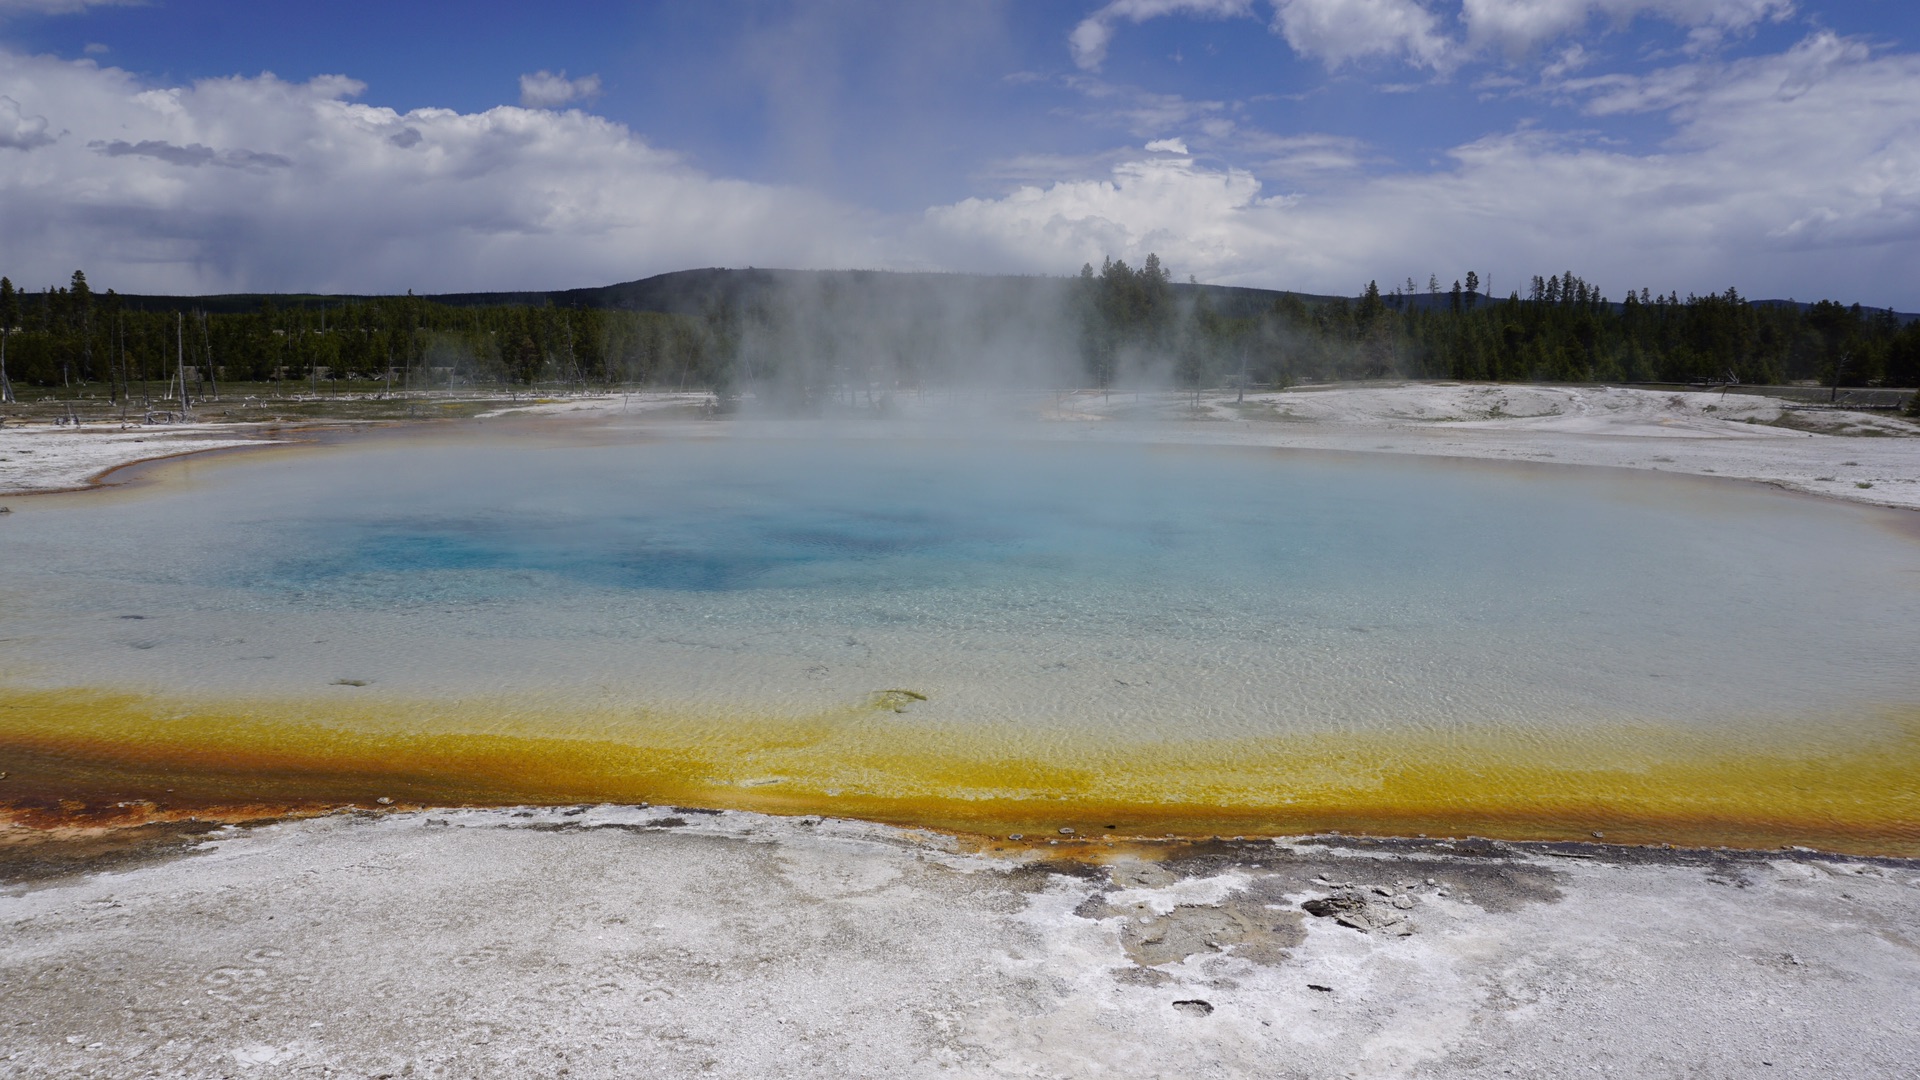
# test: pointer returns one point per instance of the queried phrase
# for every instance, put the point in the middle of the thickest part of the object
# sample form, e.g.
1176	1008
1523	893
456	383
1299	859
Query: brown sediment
29	854
78	756
141	472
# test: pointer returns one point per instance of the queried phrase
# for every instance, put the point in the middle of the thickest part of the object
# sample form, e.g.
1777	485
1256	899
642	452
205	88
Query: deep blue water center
736	515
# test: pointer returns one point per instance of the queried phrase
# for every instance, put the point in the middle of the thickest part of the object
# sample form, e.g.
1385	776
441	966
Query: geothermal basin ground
609	940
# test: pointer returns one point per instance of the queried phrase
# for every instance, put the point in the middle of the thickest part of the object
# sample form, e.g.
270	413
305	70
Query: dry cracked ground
637	942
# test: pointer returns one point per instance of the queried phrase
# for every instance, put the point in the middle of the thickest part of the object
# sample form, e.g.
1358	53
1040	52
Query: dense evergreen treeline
812	336
1565	329
72	335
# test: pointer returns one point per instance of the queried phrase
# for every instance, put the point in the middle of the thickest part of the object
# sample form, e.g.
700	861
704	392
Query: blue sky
1685	145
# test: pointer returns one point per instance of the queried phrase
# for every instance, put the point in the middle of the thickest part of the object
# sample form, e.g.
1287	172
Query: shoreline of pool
1872	469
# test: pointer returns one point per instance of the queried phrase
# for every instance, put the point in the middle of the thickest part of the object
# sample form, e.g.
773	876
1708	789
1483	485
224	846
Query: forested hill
701	292
704	292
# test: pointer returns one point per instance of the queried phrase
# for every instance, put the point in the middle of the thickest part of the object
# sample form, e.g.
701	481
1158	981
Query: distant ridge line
699	291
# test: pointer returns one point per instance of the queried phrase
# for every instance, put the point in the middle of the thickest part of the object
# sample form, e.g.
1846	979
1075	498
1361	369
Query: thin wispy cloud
59	7
547	90
1516	27
1094	33
1440	37
192	155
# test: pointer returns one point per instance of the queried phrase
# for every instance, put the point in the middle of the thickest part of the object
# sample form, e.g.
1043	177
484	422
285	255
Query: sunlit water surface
1160	636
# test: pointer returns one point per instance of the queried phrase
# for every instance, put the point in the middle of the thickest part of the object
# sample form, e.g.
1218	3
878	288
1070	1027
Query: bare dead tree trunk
180	361
120	363
6	387
206	339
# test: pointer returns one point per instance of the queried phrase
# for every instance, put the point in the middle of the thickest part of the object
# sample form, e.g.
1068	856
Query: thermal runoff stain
85	754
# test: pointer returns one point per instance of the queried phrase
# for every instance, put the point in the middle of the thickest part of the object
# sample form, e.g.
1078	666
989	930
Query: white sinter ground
48	457
630	942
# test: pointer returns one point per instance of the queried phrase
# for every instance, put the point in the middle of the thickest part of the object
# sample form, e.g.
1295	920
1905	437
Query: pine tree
82	297
1371	306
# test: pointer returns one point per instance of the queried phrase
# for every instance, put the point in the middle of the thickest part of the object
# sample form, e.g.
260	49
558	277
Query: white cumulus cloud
19	131
1791	174
258	183
1795	173
1338	31
547	90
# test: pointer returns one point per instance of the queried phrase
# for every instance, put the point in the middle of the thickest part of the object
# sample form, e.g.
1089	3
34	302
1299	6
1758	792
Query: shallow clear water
1085	596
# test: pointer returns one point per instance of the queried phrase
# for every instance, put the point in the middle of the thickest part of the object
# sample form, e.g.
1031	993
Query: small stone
384	801
1195	1007
1322	989
1599	835
1016	836
1066	830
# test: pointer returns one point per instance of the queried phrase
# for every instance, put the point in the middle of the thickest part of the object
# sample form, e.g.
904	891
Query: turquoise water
1097	589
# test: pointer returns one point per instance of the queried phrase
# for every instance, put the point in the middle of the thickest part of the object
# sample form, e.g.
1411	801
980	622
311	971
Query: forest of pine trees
1129	326
71	335
1563	330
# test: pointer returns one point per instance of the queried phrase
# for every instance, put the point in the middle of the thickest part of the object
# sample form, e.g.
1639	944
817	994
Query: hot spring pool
997	634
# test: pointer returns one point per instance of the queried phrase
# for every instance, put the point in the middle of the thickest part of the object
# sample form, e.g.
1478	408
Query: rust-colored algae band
71	753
